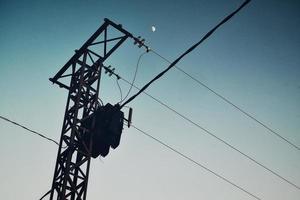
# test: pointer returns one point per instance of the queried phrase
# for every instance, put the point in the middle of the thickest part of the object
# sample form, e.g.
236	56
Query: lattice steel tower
81	77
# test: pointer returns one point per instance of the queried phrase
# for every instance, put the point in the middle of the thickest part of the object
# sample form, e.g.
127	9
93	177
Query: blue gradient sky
253	60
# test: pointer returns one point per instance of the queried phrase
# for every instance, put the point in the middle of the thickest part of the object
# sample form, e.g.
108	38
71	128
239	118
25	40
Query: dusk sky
253	60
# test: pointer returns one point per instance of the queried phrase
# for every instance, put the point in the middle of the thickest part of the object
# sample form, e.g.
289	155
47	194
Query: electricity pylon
81	77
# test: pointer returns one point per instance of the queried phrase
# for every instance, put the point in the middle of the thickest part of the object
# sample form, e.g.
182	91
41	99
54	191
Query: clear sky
253	60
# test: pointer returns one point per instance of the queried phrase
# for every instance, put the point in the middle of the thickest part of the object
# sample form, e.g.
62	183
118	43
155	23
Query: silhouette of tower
81	77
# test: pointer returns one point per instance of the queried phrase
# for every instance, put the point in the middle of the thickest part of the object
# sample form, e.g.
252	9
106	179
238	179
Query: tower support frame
83	72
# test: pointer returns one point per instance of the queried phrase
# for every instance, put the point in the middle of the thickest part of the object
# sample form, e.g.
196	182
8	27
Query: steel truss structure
82	74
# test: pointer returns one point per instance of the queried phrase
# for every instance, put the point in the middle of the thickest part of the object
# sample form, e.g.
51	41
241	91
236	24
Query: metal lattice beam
83	71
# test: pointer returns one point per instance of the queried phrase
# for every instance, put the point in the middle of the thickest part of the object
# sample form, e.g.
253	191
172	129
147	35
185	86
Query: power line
209	33
230	102
134	76
196	163
45	137
164	144
47	193
157	140
120	90
215	136
32	131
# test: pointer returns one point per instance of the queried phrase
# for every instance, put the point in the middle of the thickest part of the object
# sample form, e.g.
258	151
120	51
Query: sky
253	60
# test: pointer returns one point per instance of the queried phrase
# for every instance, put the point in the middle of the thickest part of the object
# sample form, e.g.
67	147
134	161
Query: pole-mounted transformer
103	128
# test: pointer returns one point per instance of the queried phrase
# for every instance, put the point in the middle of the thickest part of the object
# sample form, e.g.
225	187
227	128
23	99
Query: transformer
102	130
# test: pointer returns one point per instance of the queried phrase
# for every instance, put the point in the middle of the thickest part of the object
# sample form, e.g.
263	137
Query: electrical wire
271	130
196	163
230	102
164	144
187	158
215	136
209	33
120	90
134	76
45	137
45	194
32	131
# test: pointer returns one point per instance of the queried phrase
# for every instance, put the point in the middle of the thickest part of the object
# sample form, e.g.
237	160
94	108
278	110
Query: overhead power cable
32	131
120	90
215	136
47	193
271	130
45	137
196	163
134	76
186	52
230	102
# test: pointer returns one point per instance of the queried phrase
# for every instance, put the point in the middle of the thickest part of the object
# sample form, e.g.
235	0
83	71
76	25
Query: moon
153	28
